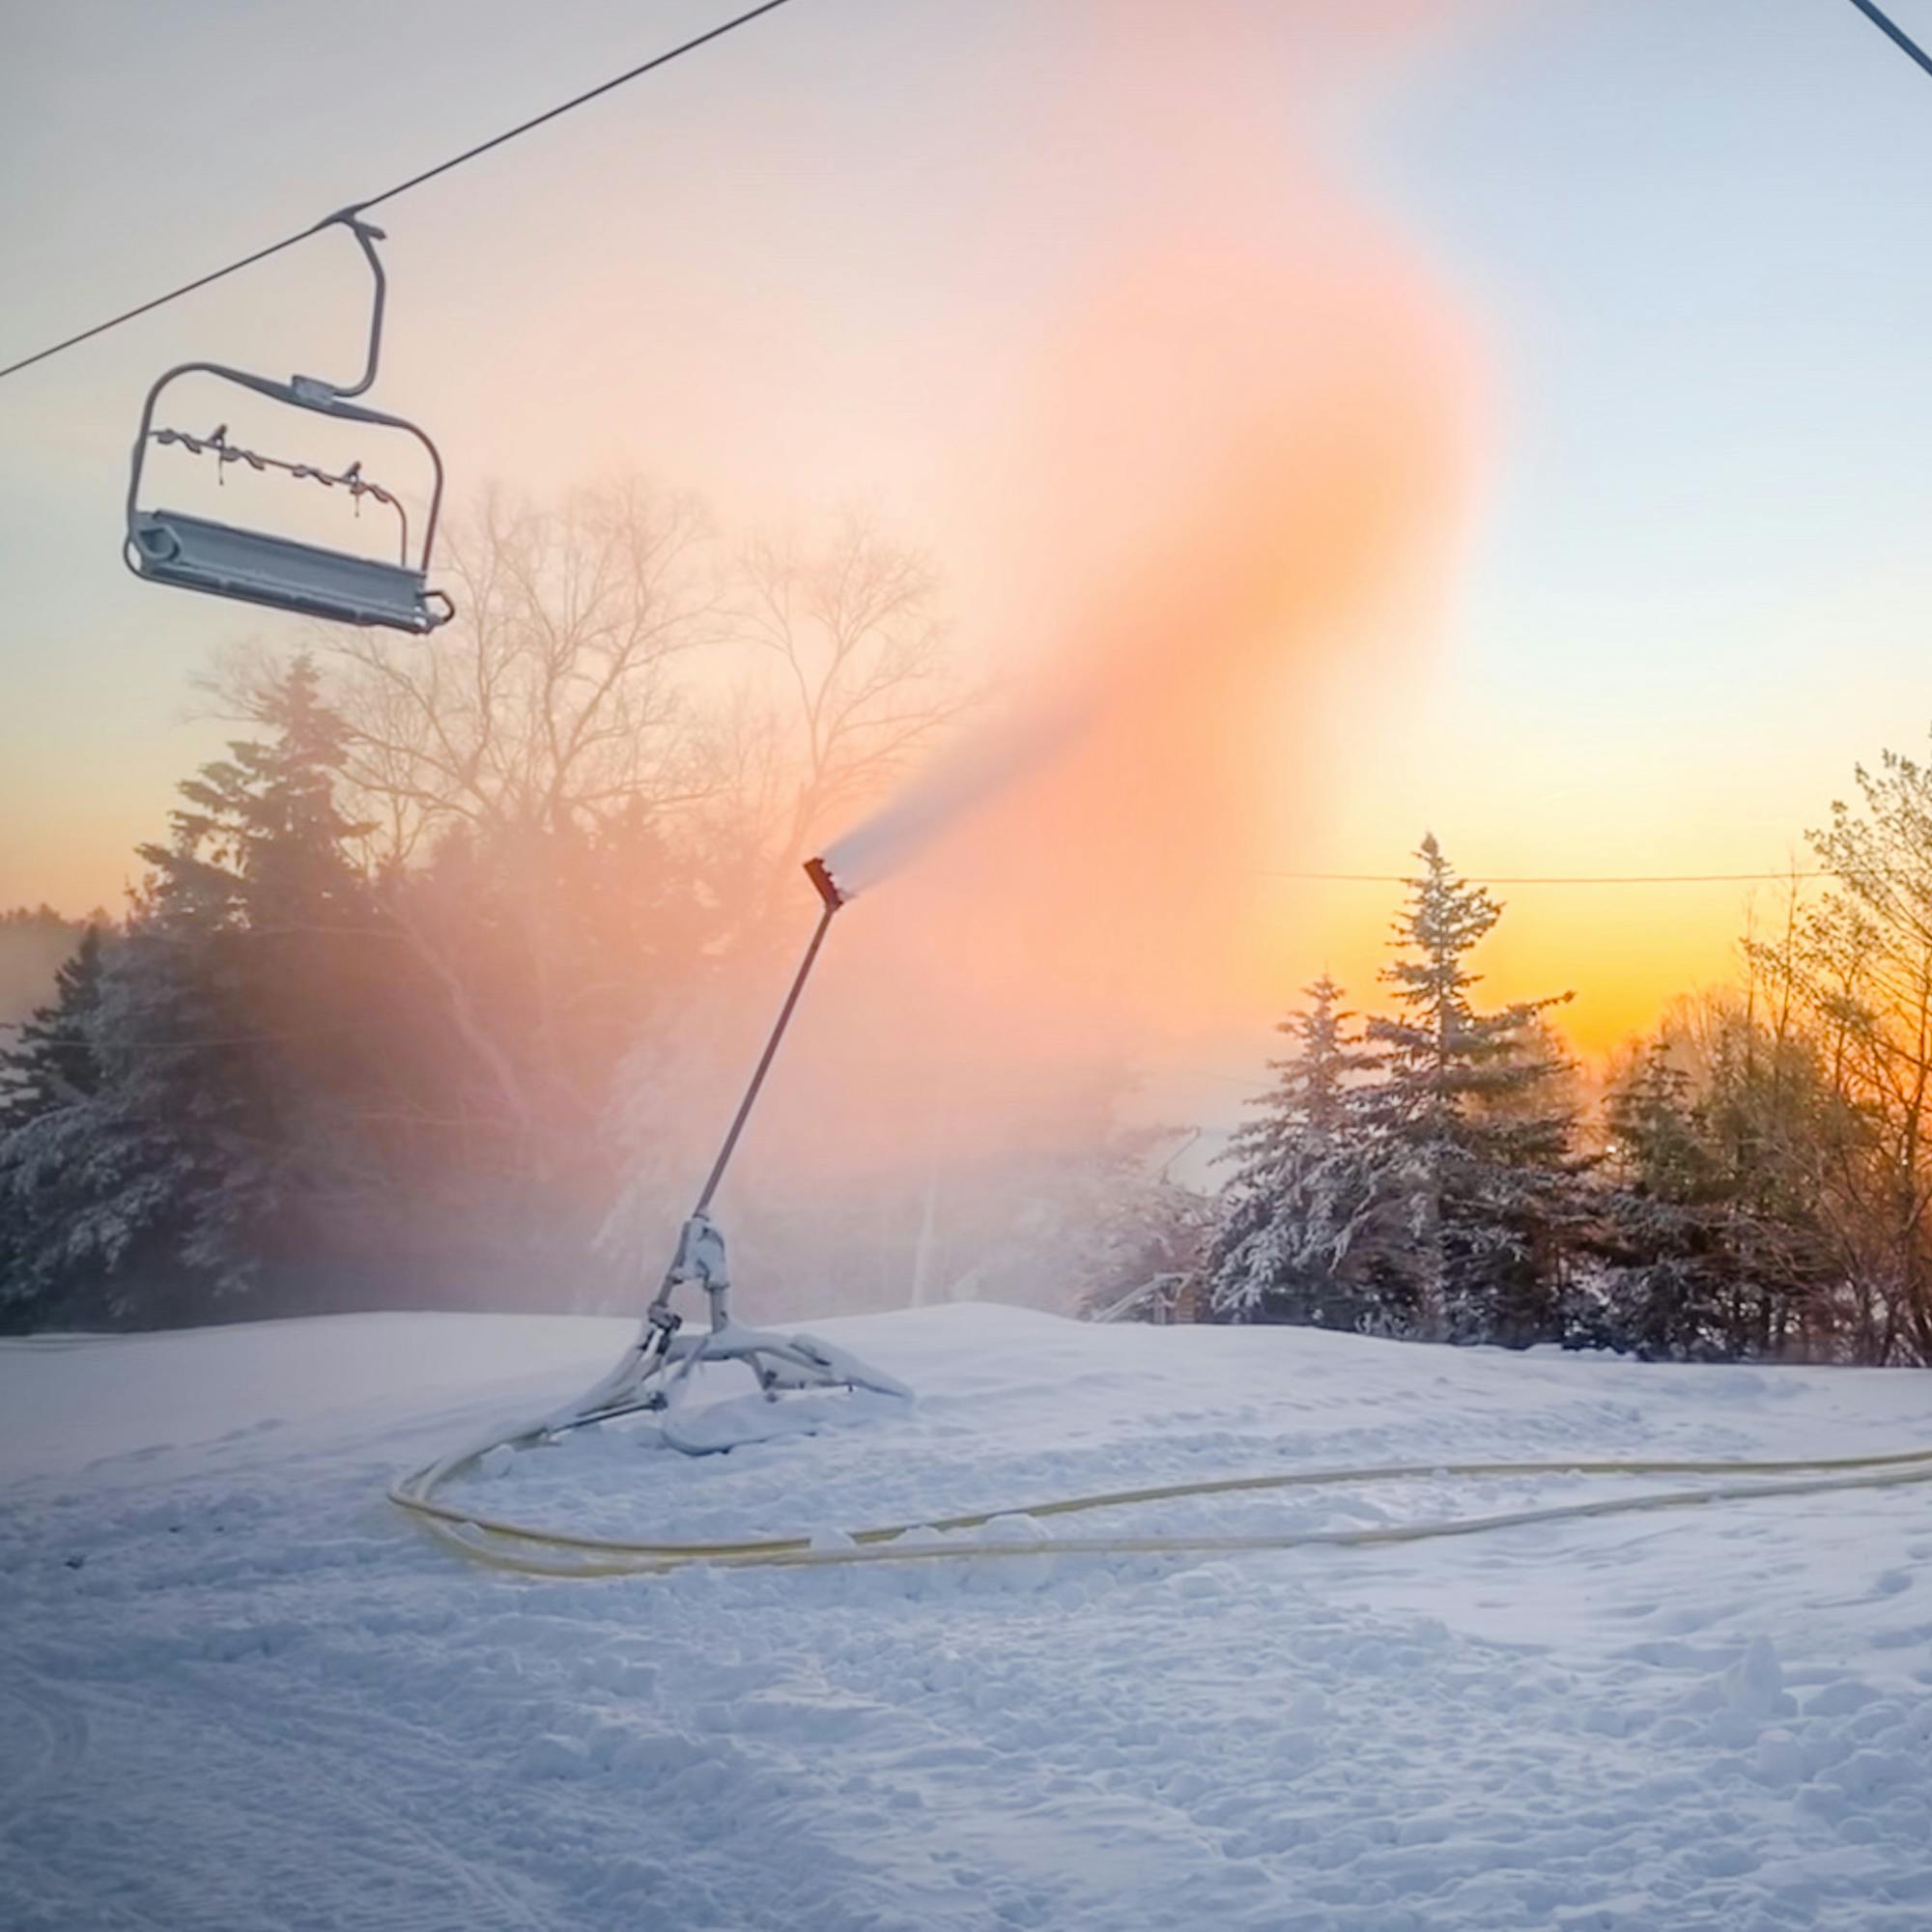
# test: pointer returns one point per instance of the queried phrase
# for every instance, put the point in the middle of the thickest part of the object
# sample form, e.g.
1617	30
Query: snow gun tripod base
656	1371
655	1374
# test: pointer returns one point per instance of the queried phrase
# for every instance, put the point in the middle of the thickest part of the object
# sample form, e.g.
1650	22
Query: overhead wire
401	187
1553	878
1874	13
1894	33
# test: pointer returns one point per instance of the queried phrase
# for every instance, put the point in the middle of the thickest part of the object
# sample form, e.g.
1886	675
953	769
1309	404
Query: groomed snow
237	1690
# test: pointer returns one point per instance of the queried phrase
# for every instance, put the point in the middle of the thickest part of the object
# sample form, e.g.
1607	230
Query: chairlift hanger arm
367	237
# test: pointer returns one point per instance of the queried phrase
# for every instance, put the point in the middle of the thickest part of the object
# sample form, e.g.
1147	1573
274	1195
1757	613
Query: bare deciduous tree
856	681
553	701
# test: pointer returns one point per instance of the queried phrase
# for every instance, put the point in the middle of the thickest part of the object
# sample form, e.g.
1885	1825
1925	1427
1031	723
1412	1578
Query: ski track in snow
239	1692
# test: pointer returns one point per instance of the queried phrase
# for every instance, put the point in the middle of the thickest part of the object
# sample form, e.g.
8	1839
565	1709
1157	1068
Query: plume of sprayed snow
1239	440
966	778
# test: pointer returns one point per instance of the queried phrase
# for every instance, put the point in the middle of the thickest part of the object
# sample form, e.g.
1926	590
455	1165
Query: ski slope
237	1690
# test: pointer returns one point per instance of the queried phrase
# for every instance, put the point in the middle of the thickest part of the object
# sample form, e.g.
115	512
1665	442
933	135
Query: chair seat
197	553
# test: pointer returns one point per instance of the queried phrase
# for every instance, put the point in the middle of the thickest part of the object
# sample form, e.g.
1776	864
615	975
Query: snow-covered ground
237	1690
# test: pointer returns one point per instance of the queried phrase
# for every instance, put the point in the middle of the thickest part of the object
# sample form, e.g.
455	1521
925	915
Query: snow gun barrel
829	892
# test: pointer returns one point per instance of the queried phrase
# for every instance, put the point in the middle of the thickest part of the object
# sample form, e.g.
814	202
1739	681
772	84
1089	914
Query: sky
1683	583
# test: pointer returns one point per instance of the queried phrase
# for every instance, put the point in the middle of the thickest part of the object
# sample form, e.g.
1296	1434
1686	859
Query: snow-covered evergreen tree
53	1066
1304	1193
262	844
1714	1241
52	1063
1472	1125
1140	1255
110	1187
1668	1270
162	1180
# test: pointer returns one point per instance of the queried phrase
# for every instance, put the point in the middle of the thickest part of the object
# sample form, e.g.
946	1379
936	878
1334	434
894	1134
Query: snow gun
656	1372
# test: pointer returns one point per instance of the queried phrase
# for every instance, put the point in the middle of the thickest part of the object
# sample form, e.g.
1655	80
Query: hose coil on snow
532	1551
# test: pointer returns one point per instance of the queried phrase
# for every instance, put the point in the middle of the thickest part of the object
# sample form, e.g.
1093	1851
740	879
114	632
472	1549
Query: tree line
1753	1182
403	1006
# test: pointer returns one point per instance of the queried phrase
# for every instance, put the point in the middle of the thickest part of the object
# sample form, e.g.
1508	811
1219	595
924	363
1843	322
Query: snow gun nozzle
817	871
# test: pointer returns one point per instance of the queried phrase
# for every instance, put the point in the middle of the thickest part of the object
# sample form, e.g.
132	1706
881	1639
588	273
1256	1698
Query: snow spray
1222	486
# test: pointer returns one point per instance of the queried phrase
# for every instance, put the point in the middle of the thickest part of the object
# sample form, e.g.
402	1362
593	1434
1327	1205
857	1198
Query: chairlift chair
194	553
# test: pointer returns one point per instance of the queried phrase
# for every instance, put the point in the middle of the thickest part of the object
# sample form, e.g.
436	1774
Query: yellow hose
563	1553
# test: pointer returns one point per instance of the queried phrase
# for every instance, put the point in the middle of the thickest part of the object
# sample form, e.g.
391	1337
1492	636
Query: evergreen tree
1473	1131
131	1201
1669	1271
168	1178
1712	1236
1779	1138
51	1066
53	1062
262	844
1138	1250
1304	1192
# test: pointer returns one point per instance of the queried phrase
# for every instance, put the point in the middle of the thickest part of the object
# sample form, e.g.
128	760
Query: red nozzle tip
828	886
